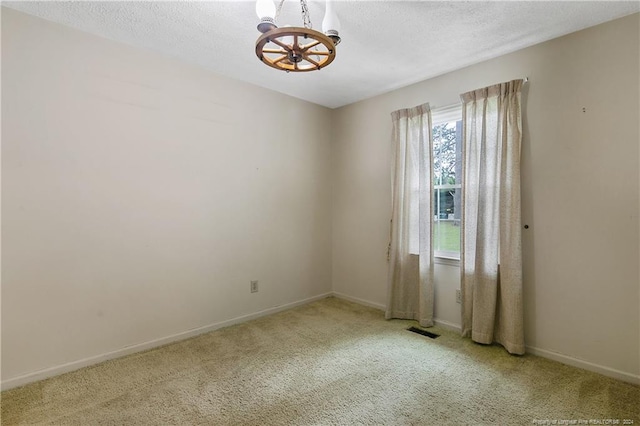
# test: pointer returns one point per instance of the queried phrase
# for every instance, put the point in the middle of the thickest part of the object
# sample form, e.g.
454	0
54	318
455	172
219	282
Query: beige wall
580	193
140	196
137	204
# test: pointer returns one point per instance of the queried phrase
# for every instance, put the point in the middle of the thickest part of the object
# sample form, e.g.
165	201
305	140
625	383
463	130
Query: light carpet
331	362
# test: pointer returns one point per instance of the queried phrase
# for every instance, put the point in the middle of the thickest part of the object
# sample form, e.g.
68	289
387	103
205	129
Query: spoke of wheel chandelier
274	51
317	52
279	59
307	58
281	44
310	45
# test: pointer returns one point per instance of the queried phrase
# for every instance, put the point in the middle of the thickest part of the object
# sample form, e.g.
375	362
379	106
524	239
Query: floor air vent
423	332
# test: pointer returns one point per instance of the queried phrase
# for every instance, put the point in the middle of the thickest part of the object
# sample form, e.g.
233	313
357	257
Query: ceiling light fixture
296	49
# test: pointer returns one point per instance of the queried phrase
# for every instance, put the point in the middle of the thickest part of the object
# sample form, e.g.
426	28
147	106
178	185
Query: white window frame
440	116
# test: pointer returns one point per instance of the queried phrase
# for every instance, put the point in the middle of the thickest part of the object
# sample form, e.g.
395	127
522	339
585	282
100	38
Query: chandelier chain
275	19
305	14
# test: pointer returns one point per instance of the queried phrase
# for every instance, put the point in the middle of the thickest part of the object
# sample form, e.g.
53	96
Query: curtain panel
491	249
410	280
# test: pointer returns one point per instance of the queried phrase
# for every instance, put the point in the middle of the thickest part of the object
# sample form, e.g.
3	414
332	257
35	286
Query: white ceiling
385	44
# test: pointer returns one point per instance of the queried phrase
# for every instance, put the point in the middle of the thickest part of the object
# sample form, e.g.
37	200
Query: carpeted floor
327	363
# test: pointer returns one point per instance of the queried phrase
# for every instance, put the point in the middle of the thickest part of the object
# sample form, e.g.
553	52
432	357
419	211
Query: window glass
447	176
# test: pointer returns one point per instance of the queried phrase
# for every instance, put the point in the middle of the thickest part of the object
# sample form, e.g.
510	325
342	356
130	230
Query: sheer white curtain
491	252
410	287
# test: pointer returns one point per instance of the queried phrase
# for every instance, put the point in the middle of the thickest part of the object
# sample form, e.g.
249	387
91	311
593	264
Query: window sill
444	260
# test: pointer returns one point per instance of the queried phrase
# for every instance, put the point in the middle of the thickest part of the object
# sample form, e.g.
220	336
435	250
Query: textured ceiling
385	44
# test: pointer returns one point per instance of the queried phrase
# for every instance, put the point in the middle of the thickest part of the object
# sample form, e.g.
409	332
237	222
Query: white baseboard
444	324
76	365
585	365
448	325
359	301
555	356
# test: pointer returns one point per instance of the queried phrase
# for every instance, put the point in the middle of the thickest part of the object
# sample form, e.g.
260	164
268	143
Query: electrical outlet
254	286
459	296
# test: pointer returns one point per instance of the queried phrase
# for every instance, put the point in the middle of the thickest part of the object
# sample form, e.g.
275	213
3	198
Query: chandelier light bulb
265	9
331	23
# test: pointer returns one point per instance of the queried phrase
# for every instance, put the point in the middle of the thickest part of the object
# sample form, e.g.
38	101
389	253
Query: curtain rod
525	80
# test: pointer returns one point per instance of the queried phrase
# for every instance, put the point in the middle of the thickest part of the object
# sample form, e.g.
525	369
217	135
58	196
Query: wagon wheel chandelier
297	49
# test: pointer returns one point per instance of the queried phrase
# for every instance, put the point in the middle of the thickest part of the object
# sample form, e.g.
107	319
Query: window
447	179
